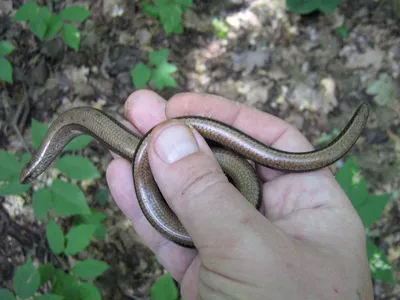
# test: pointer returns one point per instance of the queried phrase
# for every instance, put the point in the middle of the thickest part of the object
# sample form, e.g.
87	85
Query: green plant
159	74
65	200
28	279
164	289
369	208
6	73
46	25
342	31
308	6
169	12
383	90
220	28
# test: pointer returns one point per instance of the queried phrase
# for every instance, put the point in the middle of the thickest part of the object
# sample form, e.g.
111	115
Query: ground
299	68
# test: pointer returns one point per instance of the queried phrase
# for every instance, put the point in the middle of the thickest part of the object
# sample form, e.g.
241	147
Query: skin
309	243
120	139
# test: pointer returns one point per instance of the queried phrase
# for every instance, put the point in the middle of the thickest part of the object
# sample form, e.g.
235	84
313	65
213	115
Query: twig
24	117
23	235
14	124
105	63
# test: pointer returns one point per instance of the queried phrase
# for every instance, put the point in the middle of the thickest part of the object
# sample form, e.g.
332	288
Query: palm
309	212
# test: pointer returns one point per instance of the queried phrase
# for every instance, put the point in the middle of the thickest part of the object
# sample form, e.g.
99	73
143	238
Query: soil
298	68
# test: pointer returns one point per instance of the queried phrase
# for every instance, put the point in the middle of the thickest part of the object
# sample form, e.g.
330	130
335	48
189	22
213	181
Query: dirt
295	67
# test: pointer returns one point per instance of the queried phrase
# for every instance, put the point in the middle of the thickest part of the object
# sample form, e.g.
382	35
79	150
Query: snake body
238	147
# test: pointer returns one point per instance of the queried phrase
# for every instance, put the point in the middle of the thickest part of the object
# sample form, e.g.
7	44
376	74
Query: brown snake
239	147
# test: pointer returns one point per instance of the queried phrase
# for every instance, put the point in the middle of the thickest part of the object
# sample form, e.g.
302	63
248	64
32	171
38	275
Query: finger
264	127
212	211
174	258
144	109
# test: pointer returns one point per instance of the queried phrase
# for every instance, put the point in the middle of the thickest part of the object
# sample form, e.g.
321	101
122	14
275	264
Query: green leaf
79	238
161	2
354	185
68	199
358	192
178	29
95	218
41	202
368	207
150	10
371	209
89	291
26	280
26	11
328	6
220	28
9	165
78	143
13	187
77	167
164	288
54	24
158	57
6	48
184	3
162	76
66	286
307	6
100	233
26	157
378	263
170	17
89	269
71	36
342	31
55	237
140	75
48	297
38	23
6	72
6	295
47	272
38	132
302	6
75	13
102	197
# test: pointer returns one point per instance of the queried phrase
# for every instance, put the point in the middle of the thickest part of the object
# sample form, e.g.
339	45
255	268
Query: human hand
309	243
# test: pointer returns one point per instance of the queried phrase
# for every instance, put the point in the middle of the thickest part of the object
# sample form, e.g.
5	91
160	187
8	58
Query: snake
236	152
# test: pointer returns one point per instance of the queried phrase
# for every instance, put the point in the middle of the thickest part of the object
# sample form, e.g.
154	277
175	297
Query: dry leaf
371	57
383	90
249	60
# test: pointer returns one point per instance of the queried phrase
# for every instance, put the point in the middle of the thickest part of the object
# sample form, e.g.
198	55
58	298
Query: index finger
264	127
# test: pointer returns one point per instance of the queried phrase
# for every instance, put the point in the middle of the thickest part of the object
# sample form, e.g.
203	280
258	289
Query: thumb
210	208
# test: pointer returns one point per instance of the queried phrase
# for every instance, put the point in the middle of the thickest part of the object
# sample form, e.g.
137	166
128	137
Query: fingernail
174	143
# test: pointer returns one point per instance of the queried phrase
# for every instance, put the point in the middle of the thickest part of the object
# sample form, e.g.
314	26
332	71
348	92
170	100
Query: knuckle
201	178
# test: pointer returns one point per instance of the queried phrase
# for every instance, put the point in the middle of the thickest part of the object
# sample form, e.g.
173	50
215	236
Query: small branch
105	63
22	109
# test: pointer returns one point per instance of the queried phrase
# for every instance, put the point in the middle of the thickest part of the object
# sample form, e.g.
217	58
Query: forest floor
299	68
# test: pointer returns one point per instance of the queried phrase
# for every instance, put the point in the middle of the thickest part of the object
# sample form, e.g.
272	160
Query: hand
309	244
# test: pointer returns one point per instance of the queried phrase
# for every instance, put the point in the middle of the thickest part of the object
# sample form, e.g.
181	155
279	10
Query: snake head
29	173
